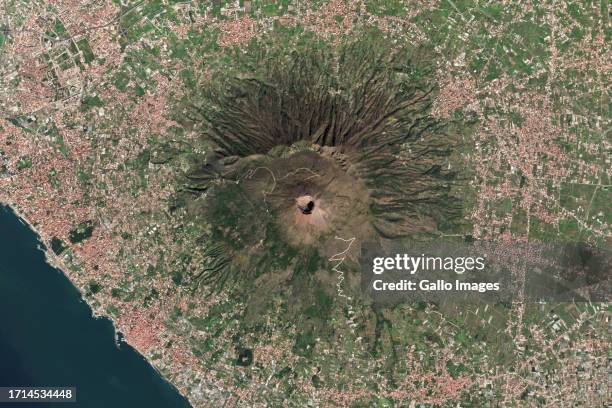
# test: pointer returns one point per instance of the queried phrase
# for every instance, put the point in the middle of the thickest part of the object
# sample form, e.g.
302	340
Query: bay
48	336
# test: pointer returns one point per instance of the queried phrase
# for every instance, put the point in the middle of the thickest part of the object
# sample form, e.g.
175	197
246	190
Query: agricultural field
159	148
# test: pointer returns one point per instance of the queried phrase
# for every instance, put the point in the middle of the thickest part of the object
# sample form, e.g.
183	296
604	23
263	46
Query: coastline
95	309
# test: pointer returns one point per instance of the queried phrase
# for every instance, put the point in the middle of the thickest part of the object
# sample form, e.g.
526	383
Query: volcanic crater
320	142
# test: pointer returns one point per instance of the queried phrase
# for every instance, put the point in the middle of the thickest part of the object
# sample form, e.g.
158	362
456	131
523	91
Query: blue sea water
48	336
